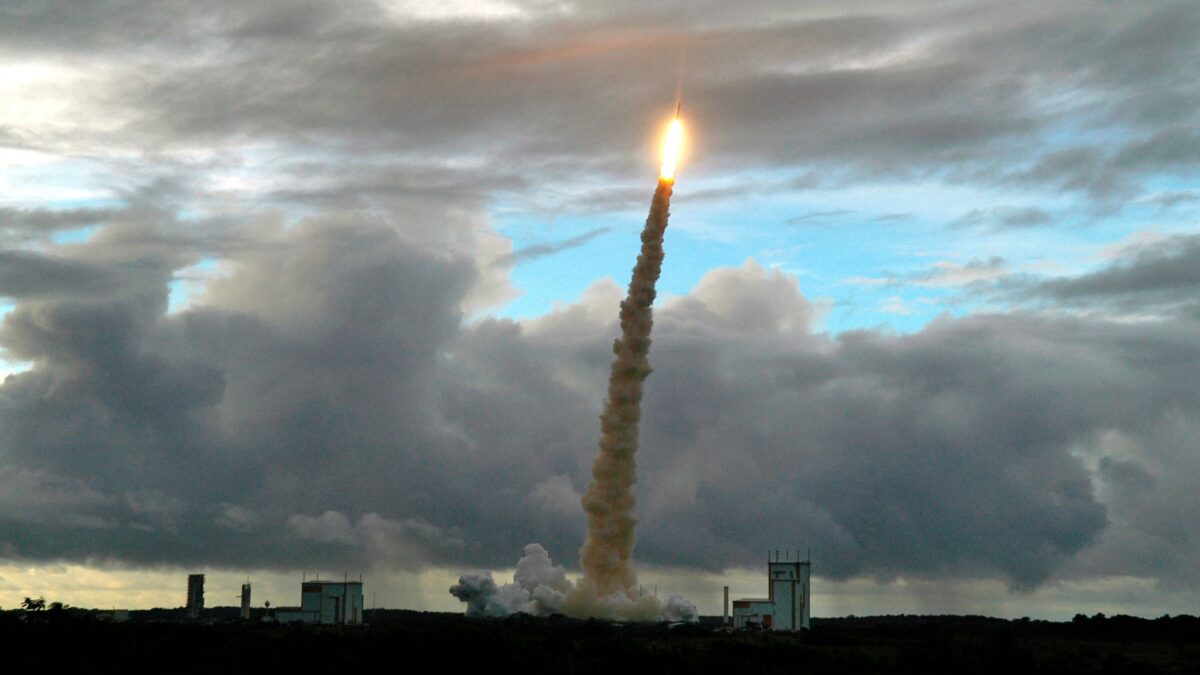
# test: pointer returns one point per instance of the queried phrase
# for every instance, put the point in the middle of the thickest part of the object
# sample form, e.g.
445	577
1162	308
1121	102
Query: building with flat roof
326	602
786	605
245	614
195	596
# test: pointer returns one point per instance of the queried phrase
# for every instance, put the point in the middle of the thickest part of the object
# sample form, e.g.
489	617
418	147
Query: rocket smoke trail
609	501
608	588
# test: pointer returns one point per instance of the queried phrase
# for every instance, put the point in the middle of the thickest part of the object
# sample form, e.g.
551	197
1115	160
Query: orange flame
672	148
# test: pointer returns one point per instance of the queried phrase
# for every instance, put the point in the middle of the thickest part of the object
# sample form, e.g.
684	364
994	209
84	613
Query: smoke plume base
541	588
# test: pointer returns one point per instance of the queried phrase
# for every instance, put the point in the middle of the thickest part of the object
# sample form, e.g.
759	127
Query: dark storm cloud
400	184
24	274
542	250
955	90
1151	50
327	404
1003	217
1177	147
1173	198
884	410
32	26
236	406
1110	177
1155	276
32	224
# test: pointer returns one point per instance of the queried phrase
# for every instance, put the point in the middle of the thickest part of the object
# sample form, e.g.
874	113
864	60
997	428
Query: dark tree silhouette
32	605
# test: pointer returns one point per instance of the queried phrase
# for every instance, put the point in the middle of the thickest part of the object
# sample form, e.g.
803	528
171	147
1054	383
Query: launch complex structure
786	607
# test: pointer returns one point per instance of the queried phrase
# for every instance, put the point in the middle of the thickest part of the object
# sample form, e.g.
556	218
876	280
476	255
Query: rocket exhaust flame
609	500
672	148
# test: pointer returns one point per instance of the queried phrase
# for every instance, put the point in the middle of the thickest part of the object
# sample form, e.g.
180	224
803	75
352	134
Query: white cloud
894	304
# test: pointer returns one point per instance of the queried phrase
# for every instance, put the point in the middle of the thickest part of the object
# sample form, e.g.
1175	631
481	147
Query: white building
326	602
786	606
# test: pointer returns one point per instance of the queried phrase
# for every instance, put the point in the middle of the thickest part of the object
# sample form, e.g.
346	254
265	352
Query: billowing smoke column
609	501
609	587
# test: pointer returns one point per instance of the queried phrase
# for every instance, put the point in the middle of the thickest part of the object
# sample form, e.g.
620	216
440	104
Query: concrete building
326	602
195	596
786	605
246	601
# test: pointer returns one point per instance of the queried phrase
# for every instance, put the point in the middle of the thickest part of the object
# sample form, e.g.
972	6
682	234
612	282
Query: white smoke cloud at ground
541	588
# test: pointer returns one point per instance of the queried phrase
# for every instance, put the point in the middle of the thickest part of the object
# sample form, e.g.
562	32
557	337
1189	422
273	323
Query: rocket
672	146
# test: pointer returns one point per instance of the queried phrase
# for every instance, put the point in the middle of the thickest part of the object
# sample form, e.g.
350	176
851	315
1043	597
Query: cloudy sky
296	286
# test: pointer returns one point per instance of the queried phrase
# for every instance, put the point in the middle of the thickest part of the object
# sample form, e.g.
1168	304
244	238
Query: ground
156	641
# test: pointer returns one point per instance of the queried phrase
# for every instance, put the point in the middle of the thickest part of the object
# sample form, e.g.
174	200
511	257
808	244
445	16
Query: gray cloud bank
1058	97
542	250
326	402
1162	276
